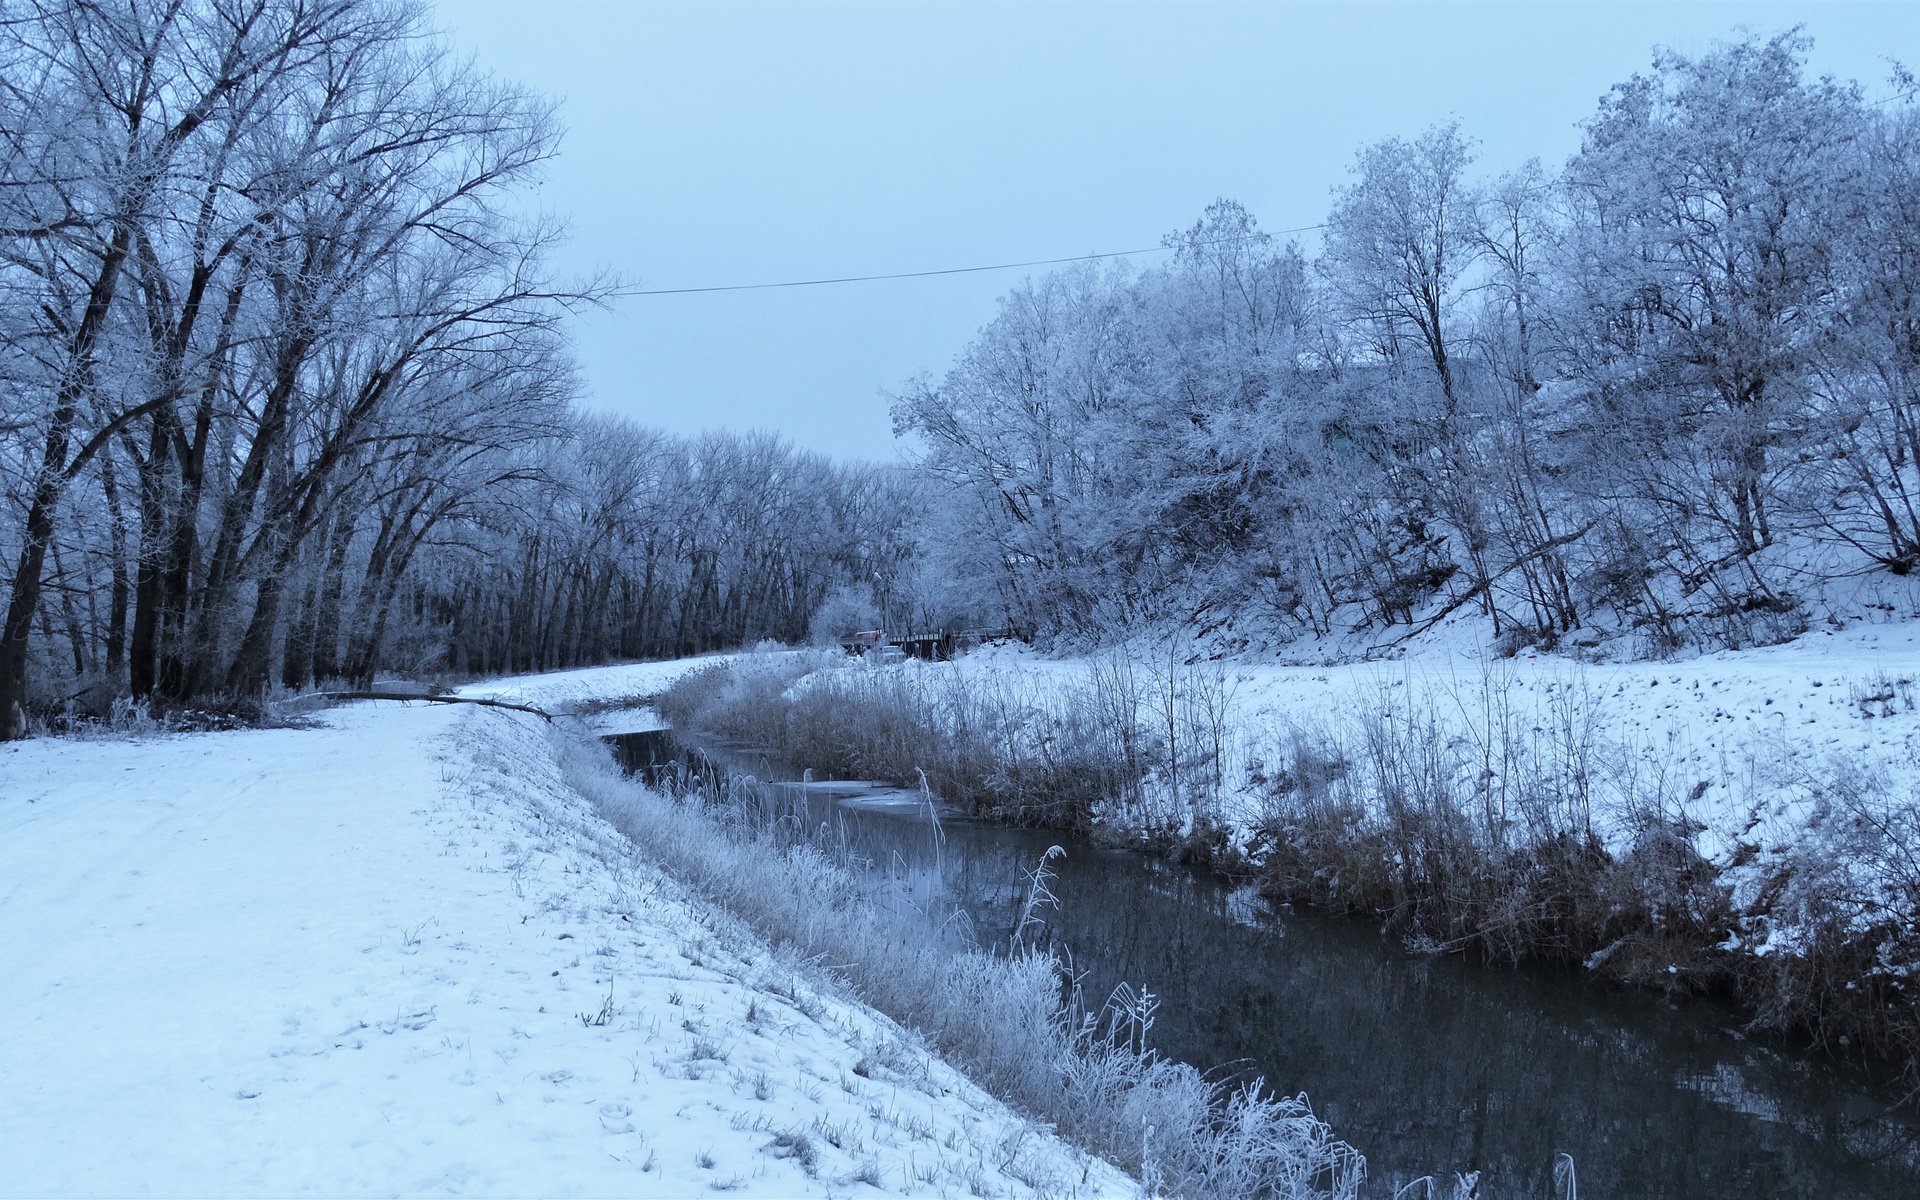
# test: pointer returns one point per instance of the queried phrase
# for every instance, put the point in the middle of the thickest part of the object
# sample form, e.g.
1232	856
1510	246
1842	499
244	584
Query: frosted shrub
1477	827
740	698
1833	922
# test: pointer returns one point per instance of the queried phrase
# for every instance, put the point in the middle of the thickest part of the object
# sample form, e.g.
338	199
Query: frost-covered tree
1533	513
260	291
1399	239
1221	379
1029	434
1706	206
1402	239
114	123
1865	491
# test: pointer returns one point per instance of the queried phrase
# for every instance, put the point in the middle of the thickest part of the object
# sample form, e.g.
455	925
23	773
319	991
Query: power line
1011	266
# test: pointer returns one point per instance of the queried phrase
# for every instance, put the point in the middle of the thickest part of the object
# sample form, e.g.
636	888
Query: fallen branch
432	699
1477	590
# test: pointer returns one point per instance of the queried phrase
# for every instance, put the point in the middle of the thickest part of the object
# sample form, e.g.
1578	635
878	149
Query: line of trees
284	396
283	391
1674	386
641	545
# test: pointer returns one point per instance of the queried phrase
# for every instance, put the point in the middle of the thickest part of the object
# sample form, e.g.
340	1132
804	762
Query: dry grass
1491	840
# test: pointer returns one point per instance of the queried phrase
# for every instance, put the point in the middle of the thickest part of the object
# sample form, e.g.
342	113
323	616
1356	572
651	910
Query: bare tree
1399	239
108	104
1867	373
1705	209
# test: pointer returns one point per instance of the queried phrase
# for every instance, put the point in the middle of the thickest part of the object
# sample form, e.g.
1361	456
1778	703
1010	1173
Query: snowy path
372	958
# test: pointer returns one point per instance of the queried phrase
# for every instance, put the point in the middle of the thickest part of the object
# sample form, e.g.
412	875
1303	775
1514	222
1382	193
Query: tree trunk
116	648
48	483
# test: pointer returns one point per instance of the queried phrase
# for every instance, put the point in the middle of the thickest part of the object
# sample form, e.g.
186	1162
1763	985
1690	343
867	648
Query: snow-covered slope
1744	730
395	954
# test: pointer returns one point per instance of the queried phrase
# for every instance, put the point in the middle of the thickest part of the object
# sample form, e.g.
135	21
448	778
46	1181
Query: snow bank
591	685
398	954
1744	728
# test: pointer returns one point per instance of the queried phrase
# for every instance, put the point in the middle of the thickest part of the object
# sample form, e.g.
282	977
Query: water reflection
1428	1065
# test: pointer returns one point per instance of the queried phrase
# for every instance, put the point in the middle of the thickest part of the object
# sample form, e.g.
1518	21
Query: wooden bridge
935	646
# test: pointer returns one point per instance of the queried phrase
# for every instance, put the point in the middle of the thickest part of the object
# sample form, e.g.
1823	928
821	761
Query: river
1428	1064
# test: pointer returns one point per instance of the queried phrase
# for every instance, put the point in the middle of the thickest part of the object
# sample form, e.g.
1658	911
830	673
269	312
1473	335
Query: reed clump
1541	842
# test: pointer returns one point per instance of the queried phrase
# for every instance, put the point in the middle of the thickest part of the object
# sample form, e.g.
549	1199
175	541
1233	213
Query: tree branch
525	708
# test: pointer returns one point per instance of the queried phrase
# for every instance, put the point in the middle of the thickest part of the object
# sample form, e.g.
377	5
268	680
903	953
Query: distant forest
285	396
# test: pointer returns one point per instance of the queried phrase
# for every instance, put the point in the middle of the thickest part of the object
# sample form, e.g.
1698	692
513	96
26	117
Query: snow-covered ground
1735	735
589	685
396	954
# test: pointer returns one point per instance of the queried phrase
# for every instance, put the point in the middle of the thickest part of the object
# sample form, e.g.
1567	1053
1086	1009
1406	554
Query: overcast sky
719	143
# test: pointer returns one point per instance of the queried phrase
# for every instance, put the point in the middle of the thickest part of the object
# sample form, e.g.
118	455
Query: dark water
1429	1065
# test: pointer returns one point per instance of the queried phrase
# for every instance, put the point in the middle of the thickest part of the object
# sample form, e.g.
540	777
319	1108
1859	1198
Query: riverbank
1736	822
395	952
1430	1065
